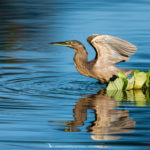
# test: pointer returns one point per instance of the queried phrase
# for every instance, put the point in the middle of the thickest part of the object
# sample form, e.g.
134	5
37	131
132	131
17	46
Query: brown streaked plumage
109	51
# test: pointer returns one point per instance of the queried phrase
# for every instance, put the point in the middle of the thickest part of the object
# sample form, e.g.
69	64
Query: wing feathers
121	46
111	48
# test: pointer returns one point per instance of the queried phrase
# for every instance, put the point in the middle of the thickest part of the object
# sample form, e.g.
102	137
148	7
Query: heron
109	50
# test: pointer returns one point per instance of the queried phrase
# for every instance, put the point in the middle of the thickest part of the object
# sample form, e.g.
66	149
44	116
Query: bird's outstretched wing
111	50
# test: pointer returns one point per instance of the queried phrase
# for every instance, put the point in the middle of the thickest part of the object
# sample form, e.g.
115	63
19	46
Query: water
44	102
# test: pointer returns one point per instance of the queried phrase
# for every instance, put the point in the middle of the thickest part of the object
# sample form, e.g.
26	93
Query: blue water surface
44	102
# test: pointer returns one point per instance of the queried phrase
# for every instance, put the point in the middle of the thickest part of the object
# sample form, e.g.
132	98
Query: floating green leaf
148	79
138	80
130	84
119	83
111	86
121	75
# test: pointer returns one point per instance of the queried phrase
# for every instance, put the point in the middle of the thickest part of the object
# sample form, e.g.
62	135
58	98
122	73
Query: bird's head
72	44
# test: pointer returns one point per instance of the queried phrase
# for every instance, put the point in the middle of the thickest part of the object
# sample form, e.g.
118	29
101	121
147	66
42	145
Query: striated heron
109	51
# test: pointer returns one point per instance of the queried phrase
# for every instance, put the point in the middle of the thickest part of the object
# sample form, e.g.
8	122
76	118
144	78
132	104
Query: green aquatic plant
138	80
148	79
130	83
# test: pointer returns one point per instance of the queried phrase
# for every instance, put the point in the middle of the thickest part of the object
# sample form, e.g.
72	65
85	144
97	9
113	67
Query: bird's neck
80	60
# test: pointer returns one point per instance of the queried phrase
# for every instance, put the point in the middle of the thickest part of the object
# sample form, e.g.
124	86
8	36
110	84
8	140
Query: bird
110	50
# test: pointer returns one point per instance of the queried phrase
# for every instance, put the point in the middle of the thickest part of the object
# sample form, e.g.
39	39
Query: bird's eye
68	42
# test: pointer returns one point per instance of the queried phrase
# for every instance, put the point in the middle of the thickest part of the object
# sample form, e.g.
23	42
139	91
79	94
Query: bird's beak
59	43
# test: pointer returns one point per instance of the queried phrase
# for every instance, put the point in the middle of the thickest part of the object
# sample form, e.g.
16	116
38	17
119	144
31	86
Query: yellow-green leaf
130	84
148	79
140	79
121	75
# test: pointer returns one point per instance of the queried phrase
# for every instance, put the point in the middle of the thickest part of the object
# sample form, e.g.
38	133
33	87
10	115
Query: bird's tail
127	72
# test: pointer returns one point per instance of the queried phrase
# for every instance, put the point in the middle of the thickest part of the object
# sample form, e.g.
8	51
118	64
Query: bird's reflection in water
109	120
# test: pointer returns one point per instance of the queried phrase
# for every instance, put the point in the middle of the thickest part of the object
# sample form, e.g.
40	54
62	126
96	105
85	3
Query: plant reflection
109	120
133	97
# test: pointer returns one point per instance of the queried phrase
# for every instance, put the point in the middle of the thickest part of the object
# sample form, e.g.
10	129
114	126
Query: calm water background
44	102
